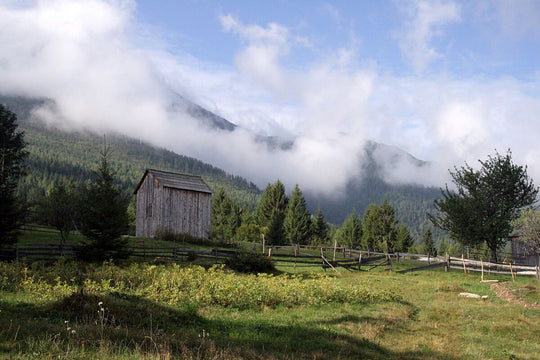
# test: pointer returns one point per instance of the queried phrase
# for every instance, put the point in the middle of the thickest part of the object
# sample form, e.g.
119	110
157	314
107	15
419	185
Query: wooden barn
174	202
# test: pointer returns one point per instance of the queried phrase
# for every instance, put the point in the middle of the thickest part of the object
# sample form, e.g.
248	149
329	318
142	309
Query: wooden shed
174	202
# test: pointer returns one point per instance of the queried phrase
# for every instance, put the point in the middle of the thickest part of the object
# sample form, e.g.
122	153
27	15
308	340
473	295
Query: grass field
68	310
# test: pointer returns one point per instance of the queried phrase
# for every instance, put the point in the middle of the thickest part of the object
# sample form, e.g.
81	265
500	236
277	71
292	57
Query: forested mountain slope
60	156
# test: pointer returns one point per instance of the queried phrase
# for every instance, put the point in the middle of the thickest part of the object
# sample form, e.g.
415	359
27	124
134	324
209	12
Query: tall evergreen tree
271	213
12	155
387	227
297	222
404	239
103	218
319	228
226	217
429	245
370	240
351	230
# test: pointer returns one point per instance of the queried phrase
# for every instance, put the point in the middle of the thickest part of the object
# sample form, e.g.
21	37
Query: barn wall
180	211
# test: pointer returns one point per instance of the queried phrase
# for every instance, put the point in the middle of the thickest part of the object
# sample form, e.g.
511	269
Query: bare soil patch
503	291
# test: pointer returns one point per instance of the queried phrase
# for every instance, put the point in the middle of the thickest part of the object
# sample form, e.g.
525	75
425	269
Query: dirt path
503	292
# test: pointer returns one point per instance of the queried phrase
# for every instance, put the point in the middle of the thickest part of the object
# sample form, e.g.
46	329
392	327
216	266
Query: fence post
463	261
447	267
335	246
538	272
270	252
359	261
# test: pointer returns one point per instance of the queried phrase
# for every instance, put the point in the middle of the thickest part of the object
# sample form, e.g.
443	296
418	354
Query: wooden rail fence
298	256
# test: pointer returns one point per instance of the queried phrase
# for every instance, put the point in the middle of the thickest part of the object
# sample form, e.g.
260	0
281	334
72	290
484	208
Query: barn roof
177	181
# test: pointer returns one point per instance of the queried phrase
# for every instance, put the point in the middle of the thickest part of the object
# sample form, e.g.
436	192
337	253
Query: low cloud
90	58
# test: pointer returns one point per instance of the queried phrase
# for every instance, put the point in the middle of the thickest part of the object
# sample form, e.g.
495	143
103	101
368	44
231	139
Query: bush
250	263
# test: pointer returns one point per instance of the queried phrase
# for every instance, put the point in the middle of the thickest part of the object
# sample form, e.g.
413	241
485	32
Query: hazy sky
447	81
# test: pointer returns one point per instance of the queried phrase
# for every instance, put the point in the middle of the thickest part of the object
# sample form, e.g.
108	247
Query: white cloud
426	20
103	79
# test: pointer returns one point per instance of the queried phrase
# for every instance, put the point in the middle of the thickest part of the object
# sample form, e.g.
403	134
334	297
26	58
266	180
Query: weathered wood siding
180	211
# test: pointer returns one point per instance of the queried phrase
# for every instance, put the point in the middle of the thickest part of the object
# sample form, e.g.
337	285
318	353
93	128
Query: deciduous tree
485	202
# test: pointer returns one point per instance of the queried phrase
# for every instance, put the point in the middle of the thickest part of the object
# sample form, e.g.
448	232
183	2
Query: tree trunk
494	255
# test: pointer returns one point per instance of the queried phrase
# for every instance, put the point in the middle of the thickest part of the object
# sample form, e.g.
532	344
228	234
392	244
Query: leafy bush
250	263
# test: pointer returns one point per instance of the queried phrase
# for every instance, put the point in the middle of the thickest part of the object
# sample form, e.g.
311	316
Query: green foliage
103	217
297	222
429	246
485	203
249	233
380	232
12	155
270	213
319	229
404	239
351	231
226	217
527	226
58	209
250	263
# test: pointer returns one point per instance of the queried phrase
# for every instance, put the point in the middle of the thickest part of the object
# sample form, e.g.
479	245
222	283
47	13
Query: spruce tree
404	239
271	213
297	222
12	155
319	229
103	218
370	240
429	245
351	230
58	209
387	227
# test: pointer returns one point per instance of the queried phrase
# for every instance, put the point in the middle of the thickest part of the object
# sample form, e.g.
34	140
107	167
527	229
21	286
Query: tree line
279	220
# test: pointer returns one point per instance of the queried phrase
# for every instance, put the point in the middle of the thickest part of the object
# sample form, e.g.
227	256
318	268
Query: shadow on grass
145	326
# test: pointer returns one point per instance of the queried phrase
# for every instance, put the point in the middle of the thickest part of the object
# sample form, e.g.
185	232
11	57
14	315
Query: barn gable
175	202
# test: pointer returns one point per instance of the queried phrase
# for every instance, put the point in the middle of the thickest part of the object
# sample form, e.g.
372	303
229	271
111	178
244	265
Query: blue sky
447	81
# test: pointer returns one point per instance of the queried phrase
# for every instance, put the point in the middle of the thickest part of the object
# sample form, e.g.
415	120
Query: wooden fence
297	256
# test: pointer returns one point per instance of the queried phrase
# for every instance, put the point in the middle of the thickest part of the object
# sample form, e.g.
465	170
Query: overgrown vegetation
72	310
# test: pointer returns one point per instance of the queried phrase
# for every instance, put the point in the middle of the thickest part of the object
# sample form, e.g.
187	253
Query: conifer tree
271	213
297	222
103	218
387	227
370	232
404	239
12	155
429	245
351	230
319	229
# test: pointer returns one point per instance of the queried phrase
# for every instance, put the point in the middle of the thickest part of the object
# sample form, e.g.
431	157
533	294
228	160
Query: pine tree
404	239
370	232
103	218
12	155
271	213
319	229
429	245
351	230
297	222
387	227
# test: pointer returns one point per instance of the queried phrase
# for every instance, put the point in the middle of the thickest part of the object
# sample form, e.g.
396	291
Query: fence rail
326	257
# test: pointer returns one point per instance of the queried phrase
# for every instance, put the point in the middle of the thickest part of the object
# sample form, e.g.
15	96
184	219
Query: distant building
174	202
523	253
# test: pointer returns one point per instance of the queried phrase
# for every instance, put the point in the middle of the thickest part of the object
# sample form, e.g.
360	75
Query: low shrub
250	263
